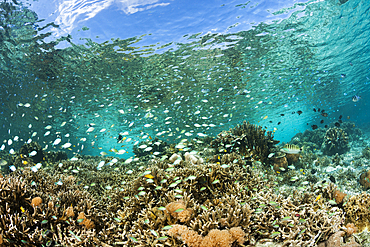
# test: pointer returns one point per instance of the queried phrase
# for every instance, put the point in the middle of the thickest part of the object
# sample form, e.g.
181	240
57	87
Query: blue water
176	70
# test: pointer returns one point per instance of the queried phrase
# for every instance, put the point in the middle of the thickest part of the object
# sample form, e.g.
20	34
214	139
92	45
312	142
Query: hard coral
246	139
357	211
86	222
215	238
339	196
365	179
179	211
36	202
336	240
335	141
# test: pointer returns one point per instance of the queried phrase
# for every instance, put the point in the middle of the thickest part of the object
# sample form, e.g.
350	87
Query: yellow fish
317	198
22	209
149	176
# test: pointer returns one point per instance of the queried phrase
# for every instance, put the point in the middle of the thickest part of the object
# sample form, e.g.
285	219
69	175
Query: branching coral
357	210
335	141
247	140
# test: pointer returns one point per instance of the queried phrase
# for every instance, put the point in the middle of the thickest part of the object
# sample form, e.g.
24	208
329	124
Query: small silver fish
356	98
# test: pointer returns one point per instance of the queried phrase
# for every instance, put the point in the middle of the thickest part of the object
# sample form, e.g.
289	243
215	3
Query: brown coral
336	240
293	158
365	179
215	238
69	212
280	164
351	229
179	211
89	224
36	201
339	196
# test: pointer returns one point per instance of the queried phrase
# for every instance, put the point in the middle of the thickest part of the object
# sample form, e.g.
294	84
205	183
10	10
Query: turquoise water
183	123
308	55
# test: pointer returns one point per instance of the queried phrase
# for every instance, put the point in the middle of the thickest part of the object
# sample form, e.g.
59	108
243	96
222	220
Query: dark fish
282	114
340	121
314	126
119	138
342	75
313	171
325	126
293	112
270	121
350	64
337	124
318	110
279	123
340	117
314	109
299	112
356	98
324	114
332	179
322	121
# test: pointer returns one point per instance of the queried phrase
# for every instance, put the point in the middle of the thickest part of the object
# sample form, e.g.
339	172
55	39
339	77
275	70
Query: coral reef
357	209
365	179
229	197
366	152
247	140
335	141
336	240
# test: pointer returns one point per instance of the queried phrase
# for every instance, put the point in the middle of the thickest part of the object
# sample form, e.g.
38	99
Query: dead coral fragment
215	238
36	202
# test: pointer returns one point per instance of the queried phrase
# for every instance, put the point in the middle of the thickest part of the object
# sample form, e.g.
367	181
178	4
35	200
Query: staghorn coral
357	209
335	141
35	223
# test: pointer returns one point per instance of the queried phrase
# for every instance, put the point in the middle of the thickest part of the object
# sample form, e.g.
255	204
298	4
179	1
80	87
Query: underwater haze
158	123
172	70
176	70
